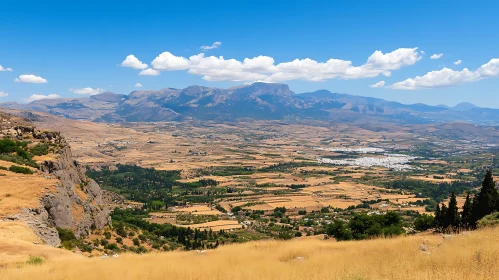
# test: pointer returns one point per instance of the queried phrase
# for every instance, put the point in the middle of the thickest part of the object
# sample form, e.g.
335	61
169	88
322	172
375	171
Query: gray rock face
38	220
77	209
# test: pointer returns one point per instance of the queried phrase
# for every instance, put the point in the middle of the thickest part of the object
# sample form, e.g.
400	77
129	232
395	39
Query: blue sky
75	49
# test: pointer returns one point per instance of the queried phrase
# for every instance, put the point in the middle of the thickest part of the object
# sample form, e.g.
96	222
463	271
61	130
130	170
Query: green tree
486	201
438	216
466	218
339	230
453	212
443	221
424	222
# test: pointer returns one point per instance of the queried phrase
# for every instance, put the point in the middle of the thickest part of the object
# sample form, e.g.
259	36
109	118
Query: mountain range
256	101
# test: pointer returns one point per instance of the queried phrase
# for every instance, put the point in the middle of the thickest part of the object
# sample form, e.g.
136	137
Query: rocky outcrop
77	204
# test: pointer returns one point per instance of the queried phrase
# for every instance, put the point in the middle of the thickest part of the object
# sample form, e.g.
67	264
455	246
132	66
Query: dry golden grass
468	256
19	191
17	243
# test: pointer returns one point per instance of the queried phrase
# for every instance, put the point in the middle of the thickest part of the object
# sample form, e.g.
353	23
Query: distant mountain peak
107	96
463	106
262	88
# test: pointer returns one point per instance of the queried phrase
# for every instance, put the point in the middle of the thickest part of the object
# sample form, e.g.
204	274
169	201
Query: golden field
472	255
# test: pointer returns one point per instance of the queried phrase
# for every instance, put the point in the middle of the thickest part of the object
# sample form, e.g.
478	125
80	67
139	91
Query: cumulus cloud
213	46
3	94
30	78
2	69
138	85
457	62
436	56
35	97
133	62
379	84
263	68
149	72
447	77
86	91
169	62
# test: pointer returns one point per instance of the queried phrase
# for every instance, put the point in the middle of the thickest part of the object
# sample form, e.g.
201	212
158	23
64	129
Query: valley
317	171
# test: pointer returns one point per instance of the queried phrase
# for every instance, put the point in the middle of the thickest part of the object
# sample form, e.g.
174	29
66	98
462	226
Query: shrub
33	260
104	242
20	169
111	246
68	239
489	220
40	149
424	222
107	235
136	241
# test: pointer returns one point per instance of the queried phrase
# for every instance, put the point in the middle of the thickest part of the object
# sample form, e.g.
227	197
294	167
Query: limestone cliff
75	202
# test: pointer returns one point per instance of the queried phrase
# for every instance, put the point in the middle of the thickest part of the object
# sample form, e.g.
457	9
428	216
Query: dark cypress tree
438	216
453	211
486	201
466	219
444	221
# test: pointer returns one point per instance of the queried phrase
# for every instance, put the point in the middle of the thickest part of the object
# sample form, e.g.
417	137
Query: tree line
450	218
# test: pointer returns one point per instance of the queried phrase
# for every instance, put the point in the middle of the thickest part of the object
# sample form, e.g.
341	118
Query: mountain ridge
255	101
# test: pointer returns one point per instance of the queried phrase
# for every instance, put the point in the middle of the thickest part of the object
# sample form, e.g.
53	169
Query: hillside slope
472	255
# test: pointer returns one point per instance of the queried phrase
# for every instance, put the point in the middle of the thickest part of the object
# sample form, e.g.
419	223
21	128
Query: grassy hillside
473	255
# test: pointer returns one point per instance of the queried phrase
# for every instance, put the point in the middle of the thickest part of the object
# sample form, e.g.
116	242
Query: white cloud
3	94
133	62
149	72
422	52
379	84
263	68
138	85
30	78
35	97
447	77
214	46
489	69
87	91
436	56
169	62
5	69
457	62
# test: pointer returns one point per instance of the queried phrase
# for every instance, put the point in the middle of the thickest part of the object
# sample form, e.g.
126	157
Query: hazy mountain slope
256	101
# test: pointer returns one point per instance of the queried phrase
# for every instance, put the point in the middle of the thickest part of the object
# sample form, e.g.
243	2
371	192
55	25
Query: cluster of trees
153	187
226	171
363	226
126	222
436	192
482	204
19	152
286	166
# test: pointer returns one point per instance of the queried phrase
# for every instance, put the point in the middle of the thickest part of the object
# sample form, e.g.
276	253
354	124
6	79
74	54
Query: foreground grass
472	255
